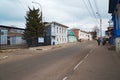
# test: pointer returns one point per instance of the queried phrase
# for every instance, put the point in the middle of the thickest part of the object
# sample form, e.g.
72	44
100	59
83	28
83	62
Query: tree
95	31
34	27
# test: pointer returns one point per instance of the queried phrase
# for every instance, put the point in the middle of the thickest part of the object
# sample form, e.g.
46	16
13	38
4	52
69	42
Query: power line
92	10
22	5
95	3
87	8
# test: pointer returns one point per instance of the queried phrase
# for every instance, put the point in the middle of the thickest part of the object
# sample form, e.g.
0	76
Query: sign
41	40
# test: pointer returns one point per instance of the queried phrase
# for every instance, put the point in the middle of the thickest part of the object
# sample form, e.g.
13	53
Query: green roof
70	33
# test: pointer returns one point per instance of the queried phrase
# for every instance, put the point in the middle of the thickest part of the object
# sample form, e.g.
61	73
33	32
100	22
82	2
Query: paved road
53	65
101	64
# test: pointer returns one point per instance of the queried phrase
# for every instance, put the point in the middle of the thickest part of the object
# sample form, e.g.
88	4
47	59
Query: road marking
86	56
78	65
65	78
91	51
83	59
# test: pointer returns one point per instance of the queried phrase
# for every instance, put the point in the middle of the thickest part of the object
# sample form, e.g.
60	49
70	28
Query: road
52	65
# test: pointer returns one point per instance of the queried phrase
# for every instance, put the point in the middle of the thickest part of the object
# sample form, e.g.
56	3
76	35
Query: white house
11	35
82	35
55	33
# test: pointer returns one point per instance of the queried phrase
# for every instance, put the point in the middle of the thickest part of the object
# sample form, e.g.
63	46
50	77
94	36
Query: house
109	35
76	32
114	10
85	36
82	35
71	36
55	33
11	35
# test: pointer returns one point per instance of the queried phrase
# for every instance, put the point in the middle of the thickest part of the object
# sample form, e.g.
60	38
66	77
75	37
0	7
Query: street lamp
39	5
100	24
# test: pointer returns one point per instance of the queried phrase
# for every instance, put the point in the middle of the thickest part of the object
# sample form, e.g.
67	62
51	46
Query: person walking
103	41
98	40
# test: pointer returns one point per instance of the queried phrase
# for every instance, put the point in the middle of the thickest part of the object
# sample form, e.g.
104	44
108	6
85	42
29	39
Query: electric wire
87	8
95	3
92	10
22	5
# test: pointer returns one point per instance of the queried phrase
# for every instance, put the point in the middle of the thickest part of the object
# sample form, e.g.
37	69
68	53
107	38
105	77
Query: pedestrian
103	41
98	40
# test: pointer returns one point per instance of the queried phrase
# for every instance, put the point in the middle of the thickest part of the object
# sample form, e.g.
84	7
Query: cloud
14	23
71	13
13	11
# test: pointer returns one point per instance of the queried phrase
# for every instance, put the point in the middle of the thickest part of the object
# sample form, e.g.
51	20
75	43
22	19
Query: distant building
71	36
109	35
76	32
55	33
82	35
11	35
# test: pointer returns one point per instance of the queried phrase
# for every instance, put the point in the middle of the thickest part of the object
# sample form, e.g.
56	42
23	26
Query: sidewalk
100	64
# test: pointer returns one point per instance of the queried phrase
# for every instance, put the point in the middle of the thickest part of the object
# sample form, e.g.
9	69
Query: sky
72	13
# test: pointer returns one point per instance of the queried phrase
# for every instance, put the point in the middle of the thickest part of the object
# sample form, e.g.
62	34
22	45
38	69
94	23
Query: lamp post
100	24
39	5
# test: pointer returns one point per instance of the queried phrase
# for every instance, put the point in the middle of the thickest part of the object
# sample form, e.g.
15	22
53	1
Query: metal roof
11	27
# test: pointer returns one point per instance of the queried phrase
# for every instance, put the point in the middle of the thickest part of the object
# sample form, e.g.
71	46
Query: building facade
109	35
11	35
71	36
82	35
114	9
55	33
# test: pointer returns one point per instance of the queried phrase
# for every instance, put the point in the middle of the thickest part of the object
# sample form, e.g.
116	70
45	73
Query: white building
11	35
55	33
82	35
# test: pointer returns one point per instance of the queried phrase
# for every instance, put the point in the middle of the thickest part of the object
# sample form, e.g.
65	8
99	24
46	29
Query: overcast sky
72	13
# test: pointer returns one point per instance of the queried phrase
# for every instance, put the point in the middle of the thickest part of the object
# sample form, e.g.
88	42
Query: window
64	31
119	22
57	39
60	30
57	29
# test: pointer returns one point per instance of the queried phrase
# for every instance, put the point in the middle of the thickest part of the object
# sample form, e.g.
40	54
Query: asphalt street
53	65
100	64
82	61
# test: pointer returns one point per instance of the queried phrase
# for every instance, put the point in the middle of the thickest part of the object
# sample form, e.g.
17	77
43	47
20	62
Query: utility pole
100	27
100	24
